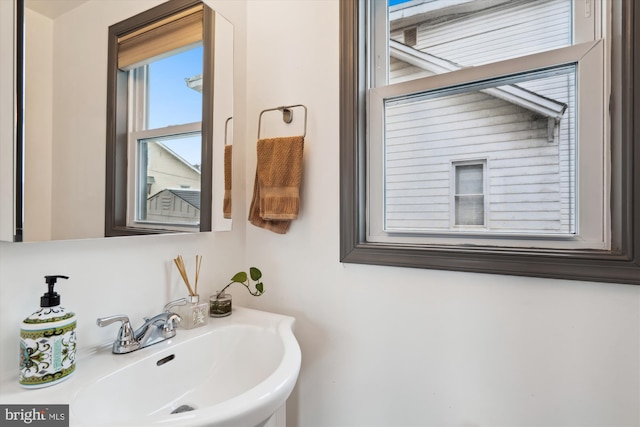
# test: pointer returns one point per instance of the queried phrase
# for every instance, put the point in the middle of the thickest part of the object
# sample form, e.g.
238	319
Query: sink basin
236	371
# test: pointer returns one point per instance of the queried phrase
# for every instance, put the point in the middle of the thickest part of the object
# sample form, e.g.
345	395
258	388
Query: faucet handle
125	341
170	325
104	321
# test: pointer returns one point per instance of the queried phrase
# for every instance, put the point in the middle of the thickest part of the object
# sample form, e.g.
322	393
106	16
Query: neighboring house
500	159
175	205
170	176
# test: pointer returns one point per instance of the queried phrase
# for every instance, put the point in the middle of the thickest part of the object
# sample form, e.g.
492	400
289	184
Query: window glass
454	35
168	184
526	130
167	94
175	89
469	179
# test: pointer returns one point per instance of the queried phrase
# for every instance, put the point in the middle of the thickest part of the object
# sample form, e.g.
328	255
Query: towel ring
287	116
226	126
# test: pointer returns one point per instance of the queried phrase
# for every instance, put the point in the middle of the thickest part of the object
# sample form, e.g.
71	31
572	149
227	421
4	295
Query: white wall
389	346
38	165
381	346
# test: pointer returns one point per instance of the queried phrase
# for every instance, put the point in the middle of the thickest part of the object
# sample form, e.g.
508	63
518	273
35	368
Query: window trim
116	193
621	264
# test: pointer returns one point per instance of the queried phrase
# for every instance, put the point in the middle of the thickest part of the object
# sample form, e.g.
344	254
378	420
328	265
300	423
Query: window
159	163
468	195
523	87
489	81
528	136
159	172
165	140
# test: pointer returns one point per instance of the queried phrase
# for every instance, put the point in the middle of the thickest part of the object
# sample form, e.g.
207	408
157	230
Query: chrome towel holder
226	129
287	116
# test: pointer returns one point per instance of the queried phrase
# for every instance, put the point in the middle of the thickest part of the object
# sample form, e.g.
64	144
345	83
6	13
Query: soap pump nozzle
51	298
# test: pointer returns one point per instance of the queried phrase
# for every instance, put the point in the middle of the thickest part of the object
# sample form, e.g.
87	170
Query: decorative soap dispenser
48	342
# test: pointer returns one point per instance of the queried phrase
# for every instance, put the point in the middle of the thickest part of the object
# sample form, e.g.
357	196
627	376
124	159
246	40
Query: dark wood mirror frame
18	234
116	170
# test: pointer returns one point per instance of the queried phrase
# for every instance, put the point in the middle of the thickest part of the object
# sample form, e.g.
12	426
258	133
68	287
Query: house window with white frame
520	83
468	198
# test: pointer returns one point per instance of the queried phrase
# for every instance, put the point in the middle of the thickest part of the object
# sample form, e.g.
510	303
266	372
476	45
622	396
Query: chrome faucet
159	328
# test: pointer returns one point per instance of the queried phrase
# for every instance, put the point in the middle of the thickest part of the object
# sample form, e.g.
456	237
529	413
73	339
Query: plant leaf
240	277
255	273
260	287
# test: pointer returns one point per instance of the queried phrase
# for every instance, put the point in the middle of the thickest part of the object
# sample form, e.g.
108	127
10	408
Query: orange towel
276	198
279	170
280	227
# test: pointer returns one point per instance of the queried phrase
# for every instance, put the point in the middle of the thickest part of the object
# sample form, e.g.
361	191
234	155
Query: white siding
401	71
507	31
562	89
418	162
530	180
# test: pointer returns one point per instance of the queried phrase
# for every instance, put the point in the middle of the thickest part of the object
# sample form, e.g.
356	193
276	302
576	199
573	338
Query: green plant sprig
242	278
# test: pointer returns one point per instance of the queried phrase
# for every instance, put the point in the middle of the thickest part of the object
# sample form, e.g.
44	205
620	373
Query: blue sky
171	102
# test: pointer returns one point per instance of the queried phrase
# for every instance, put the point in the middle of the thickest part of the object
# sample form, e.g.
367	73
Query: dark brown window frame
620	265
116	159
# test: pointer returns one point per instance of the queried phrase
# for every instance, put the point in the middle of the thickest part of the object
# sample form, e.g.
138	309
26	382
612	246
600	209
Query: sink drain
183	408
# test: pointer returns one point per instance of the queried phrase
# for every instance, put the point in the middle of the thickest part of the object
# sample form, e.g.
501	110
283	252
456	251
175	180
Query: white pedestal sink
236	371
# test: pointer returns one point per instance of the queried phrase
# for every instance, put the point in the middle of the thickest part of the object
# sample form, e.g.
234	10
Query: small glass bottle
192	311
220	304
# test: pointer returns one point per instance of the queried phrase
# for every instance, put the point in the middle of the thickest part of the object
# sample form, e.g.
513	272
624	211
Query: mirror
65	117
8	130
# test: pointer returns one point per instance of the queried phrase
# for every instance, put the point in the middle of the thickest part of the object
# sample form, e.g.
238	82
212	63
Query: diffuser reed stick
198	264
185	277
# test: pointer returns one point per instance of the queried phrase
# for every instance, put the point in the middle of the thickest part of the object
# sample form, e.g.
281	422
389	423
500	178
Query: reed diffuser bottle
194	312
